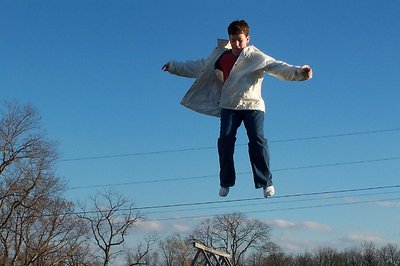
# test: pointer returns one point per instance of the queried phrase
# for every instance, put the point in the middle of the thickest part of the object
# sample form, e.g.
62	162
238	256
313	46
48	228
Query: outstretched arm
189	69
286	71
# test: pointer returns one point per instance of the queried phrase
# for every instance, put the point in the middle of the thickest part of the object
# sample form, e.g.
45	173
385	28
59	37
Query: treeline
176	250
366	254
40	227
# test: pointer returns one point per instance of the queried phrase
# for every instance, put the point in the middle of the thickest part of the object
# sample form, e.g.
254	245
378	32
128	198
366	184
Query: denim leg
258	148
230	122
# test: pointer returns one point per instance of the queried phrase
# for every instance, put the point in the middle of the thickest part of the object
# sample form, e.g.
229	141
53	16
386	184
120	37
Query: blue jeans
258	148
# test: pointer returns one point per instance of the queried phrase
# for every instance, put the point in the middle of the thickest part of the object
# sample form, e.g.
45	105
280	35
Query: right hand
165	67
308	71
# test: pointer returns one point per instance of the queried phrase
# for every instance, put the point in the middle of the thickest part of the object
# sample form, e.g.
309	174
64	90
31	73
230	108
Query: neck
235	53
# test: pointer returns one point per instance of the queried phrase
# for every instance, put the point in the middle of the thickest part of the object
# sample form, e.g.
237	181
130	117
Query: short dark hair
238	27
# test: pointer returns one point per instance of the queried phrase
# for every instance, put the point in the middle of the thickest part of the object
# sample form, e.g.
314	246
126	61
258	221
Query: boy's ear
248	38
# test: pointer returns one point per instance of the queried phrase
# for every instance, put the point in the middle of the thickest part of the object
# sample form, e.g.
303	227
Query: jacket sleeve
189	69
284	71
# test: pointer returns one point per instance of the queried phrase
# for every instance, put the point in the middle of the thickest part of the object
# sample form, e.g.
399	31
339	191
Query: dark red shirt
225	63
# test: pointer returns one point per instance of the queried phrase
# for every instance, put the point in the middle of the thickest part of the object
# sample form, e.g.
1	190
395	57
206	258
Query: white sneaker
223	191
269	191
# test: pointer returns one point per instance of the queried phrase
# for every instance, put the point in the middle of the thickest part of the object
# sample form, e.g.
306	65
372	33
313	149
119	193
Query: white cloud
388	203
182	228
316	226
310	225
163	227
291	244
281	224
358	237
150	226
299	236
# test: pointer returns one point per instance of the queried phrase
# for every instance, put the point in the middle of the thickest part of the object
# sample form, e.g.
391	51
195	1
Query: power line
338	135
240	173
282	209
339	163
213	147
275	197
219	202
209	204
275	202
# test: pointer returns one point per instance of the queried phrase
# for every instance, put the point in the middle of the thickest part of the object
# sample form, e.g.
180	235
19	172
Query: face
238	42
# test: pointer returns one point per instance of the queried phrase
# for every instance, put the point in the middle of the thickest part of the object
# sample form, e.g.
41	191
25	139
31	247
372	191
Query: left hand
165	67
307	71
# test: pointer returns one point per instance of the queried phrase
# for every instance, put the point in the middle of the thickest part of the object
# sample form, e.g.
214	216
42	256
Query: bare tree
305	259
36	227
109	220
26	157
233	233
274	255
177	250
143	254
278	259
352	257
81	255
49	236
389	255
369	253
326	256
169	251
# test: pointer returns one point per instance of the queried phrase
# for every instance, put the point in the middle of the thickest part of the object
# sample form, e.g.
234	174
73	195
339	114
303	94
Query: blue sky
93	70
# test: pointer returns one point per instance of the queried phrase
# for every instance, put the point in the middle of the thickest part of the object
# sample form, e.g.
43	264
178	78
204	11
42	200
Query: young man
228	85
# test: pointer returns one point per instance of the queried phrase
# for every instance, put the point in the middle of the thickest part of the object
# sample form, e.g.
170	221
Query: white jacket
242	89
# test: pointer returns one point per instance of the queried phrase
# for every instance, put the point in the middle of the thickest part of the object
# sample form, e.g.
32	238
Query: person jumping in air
228	85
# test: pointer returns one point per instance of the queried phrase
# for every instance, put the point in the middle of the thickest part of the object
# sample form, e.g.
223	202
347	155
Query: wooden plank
211	250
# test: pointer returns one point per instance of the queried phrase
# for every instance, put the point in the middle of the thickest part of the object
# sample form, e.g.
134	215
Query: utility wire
339	163
280	209
240	173
219	202
275	197
274	202
213	147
